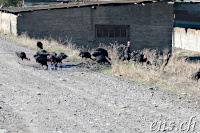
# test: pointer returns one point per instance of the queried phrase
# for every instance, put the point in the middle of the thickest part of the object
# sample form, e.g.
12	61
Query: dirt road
33	100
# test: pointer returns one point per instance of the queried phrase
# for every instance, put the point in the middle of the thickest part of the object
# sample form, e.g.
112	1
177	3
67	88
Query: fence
186	39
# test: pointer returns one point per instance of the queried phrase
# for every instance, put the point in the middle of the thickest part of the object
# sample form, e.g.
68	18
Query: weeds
50	45
175	76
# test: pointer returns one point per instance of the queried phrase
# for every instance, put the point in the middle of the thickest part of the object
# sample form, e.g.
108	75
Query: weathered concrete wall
8	23
59	24
190	8
187	15
150	25
189	40
147	28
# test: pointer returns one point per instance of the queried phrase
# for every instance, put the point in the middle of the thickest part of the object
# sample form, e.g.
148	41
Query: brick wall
150	25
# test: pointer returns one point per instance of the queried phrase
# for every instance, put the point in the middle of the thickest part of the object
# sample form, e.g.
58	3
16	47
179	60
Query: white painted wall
8	23
189	40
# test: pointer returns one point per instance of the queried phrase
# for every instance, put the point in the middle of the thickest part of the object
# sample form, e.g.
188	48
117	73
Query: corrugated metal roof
68	5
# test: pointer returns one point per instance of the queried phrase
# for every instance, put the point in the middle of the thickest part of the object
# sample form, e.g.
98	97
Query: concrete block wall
150	24
8	23
58	24
153	25
189	40
191	8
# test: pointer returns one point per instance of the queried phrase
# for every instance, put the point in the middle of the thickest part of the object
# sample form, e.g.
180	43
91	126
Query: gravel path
33	100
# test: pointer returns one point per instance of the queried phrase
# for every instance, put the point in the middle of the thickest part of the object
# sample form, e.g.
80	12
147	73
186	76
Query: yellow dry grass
176	76
49	44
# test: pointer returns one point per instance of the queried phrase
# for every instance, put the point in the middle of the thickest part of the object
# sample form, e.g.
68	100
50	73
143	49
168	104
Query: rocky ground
78	100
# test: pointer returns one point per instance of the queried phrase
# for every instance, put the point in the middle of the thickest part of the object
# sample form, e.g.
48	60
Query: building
187	26
187	15
145	24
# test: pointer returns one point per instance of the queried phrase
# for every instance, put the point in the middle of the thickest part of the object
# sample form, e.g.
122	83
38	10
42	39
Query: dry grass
50	45
180	52
176	76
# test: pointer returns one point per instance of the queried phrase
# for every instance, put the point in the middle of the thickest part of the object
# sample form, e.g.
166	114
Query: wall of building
59	24
187	15
150	24
8	23
190	8
189	40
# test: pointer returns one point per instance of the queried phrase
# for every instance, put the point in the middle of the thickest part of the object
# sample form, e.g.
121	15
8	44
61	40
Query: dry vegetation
176	76
50	45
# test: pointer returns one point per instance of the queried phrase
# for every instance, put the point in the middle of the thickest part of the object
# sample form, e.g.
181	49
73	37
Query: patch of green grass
105	70
128	65
74	59
58	50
